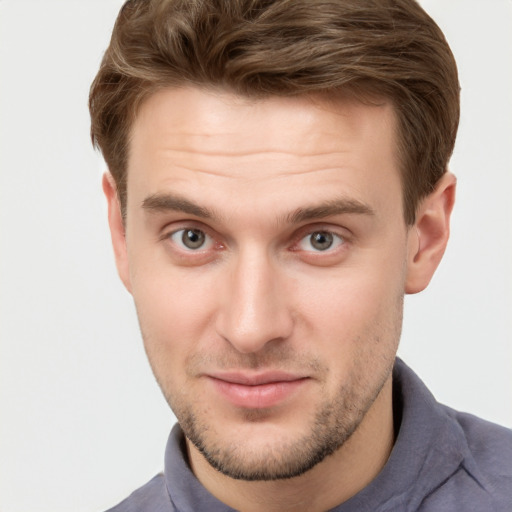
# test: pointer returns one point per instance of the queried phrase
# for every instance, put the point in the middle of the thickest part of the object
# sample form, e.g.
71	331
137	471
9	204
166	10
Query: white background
82	421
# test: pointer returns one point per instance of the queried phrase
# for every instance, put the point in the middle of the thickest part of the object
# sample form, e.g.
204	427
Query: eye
191	239
320	241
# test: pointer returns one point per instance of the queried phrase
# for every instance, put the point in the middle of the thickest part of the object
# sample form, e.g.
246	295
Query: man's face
267	256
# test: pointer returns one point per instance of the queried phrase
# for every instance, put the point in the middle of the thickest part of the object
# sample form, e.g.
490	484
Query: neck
330	483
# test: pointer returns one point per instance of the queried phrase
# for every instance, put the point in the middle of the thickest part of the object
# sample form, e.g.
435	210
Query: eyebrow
341	206
171	202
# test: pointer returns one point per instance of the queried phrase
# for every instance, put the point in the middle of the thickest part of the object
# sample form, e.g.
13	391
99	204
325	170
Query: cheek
355	311
168	298
348	297
174	312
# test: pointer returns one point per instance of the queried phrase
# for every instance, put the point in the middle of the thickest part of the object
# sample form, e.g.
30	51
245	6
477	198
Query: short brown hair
258	48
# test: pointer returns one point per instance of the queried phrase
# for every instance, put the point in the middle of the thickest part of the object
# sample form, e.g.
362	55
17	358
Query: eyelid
175	227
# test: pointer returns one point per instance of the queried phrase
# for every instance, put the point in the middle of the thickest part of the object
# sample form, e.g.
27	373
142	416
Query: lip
256	391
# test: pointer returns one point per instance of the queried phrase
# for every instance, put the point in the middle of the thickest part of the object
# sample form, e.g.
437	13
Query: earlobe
429	235
117	229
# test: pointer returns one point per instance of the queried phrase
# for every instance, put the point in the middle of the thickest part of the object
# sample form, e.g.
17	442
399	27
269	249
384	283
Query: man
277	182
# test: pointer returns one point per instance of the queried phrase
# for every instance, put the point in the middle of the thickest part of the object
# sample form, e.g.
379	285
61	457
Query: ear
117	229
429	235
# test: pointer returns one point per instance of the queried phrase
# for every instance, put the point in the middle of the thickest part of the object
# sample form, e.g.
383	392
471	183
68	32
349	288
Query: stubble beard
332	425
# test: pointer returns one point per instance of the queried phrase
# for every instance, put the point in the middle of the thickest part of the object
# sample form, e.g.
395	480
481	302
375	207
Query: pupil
321	240
193	238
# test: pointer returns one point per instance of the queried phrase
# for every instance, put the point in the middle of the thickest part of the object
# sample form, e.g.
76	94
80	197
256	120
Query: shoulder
465	463
151	497
484	479
489	446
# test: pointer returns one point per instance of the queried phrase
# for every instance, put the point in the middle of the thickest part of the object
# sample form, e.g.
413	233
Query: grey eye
193	238
321	240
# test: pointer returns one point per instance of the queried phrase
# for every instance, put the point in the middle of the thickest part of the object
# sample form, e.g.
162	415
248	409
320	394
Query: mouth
256	391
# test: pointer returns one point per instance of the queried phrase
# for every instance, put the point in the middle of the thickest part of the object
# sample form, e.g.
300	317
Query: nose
254	309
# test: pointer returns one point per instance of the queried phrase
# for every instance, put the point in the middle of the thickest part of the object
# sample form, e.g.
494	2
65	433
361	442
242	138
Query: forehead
190	118
214	144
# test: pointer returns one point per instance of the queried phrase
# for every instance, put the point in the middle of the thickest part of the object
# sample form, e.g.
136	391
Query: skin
256	178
